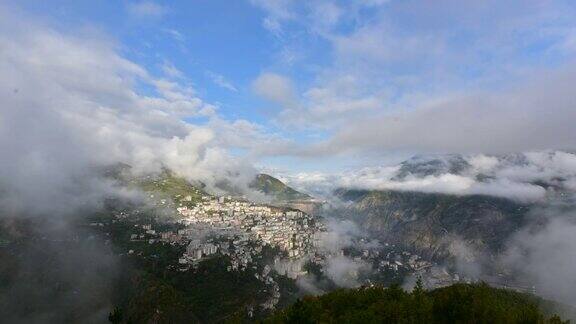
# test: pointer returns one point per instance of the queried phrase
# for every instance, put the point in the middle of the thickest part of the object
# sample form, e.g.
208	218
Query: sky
294	86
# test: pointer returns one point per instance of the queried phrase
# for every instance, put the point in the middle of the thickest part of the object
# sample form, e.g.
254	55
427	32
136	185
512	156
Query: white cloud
146	9
276	8
523	192
278	11
71	104
533	116
273	26
344	271
325	14
381	44
435	77
335	103
545	255
520	177
221	81
483	163
276	88
340	235
171	71
176	35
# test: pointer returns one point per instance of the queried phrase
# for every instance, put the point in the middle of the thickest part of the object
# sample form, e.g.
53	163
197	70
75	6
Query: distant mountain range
439	224
546	169
435	224
168	182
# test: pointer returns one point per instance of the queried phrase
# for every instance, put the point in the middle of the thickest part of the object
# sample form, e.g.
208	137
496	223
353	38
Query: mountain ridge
277	189
425	221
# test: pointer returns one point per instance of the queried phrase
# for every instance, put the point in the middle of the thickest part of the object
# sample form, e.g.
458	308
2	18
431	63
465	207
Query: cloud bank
449	77
533	116
545	255
527	177
72	104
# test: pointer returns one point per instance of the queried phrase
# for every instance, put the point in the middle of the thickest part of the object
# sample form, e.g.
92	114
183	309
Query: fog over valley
176	162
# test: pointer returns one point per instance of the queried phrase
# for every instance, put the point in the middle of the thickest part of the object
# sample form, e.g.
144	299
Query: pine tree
421	303
419	288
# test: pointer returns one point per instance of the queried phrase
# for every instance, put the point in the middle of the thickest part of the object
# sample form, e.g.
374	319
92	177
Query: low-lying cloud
526	177
544	254
72	104
342	270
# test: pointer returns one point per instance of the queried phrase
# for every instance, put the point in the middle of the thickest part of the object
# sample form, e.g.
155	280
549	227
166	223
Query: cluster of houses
291	231
403	259
240	230
237	246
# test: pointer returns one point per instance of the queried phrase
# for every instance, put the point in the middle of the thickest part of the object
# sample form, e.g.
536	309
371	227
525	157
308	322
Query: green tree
459	303
421	304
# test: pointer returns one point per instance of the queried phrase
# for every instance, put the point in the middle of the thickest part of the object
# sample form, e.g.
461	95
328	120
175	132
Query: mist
539	254
544	254
71	108
71	104
527	177
55	273
78	101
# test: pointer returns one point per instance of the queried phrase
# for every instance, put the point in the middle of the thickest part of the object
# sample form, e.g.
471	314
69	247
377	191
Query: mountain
440	221
459	303
172	188
164	185
422	166
431	223
277	189
152	280
167	184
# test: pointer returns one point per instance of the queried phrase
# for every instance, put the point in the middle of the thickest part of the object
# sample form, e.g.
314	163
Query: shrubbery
460	303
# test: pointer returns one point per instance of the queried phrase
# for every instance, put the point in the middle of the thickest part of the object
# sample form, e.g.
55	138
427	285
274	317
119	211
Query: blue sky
341	84
200	39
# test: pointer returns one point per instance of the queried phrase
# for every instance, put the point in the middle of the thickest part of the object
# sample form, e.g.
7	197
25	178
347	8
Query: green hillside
162	186
276	189
168	184
460	303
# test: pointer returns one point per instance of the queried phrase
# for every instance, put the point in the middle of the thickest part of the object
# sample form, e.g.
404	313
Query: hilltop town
234	227
181	228
290	230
